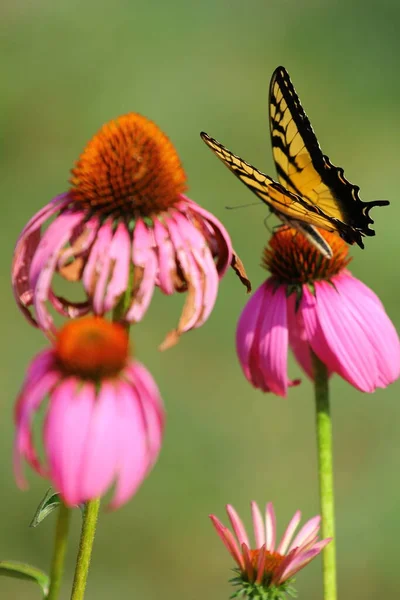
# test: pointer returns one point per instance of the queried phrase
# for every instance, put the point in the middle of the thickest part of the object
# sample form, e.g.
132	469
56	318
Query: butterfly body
310	192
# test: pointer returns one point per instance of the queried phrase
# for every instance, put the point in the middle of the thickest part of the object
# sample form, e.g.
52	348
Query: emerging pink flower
123	228
104	416
312	303
268	566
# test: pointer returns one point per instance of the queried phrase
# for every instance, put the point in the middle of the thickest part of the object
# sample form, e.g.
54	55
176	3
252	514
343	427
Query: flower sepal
50	501
263	590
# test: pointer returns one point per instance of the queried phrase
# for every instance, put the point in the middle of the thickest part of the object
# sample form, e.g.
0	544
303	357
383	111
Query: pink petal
372	318
152	406
99	461
98	266
40	380
145	271
166	258
198	247
86	232
262	340
261	564
25	249
287	536
237	526
66	433
298	338
336	336
133	455
309	530
270	527
228	540
248	566
45	260
301	560
120	258
258	525
224	254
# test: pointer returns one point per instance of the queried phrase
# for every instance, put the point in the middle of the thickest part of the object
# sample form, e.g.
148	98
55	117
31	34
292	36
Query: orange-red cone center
92	348
129	167
291	258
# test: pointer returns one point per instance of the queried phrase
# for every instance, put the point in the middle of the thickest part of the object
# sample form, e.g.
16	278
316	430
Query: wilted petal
120	258
145	272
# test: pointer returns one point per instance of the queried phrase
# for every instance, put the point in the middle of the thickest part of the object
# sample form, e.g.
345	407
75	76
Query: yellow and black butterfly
311	192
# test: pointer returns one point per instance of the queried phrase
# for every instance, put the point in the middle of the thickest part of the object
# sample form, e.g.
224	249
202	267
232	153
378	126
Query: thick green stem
85	549
325	468
60	546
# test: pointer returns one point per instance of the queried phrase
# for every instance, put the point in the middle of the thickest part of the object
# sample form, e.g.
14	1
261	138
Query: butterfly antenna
244	205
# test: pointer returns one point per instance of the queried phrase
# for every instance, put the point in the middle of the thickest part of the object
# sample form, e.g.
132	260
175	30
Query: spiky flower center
128	168
273	561
92	348
292	259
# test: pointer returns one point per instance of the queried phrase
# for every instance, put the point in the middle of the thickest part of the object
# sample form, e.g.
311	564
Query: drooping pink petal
370	314
81	239
197	246
270	527
258	525
166	258
152	406
99	460
25	249
297	337
145	271
228	540
237	525
120	258
66	434
44	263
262	340
97	269
287	536
221	236
40	379
133	455
336	337
191	315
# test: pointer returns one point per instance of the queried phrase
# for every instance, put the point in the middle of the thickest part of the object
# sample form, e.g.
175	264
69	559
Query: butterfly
310	192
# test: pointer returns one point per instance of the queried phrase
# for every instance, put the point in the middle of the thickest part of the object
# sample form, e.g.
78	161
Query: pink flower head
268	563
123	228
314	304
104	417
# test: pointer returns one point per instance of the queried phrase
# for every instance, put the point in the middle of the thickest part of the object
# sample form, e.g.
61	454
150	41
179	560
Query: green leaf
11	568
50	502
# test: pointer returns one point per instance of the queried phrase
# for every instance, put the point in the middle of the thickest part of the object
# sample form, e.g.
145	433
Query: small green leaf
11	568
50	502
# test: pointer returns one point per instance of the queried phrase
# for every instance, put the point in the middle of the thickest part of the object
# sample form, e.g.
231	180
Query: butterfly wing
280	200
305	171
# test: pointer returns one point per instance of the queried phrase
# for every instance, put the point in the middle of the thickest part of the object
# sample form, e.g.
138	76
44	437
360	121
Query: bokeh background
69	66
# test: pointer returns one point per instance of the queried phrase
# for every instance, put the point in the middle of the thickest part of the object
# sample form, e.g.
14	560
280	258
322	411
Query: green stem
325	468
85	549
60	546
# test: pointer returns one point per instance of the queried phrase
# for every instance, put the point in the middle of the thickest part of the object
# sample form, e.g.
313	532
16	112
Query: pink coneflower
123	227
104	414
267	568
315	304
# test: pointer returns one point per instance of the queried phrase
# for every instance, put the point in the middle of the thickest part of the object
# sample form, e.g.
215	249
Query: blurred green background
67	67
